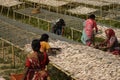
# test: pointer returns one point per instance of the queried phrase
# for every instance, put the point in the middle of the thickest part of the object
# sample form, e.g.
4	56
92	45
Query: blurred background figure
87	37
58	27
111	43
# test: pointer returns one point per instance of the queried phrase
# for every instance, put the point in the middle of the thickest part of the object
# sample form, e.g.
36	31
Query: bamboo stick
11	44
38	22
48	27
72	33
13	57
3	50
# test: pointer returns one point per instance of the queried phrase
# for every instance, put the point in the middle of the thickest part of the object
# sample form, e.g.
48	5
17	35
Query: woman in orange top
45	47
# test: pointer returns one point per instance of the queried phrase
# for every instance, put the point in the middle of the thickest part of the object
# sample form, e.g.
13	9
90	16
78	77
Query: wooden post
38	22
109	16
48	27
13	15
60	9
57	9
71	33
23	5
24	17
3	50
41	6
13	56
34	5
8	11
101	12
29	19
1	9
49	8
21	17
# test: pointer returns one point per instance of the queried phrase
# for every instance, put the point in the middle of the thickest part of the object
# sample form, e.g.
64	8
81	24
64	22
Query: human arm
111	42
102	44
95	26
48	48
54	51
47	60
108	43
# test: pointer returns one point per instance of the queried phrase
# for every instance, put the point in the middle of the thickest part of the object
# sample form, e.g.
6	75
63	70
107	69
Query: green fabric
84	37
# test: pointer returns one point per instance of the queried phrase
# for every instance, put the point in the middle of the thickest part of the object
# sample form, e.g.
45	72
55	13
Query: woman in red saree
36	63
111	42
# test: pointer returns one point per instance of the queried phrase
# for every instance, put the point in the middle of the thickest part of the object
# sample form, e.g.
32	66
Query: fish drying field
78	61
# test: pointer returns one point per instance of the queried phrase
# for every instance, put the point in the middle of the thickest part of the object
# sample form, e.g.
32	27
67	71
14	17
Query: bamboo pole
72	33
29	19
11	43
34	5
48	27
38	22
76	29
8	11
13	56
34	16
49	8
23	5
1	9
72	30
86	7
41	6
3	55
109	15
24	17
13	15
70	8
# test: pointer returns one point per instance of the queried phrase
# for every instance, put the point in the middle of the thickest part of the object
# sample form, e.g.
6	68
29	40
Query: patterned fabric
40	75
36	64
110	33
112	42
88	32
89	26
84	37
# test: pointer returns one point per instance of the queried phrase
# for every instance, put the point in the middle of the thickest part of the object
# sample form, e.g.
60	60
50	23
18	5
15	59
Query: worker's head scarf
109	33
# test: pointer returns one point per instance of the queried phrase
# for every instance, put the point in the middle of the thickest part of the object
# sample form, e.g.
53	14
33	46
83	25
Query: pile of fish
53	3
85	63
101	32
82	10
